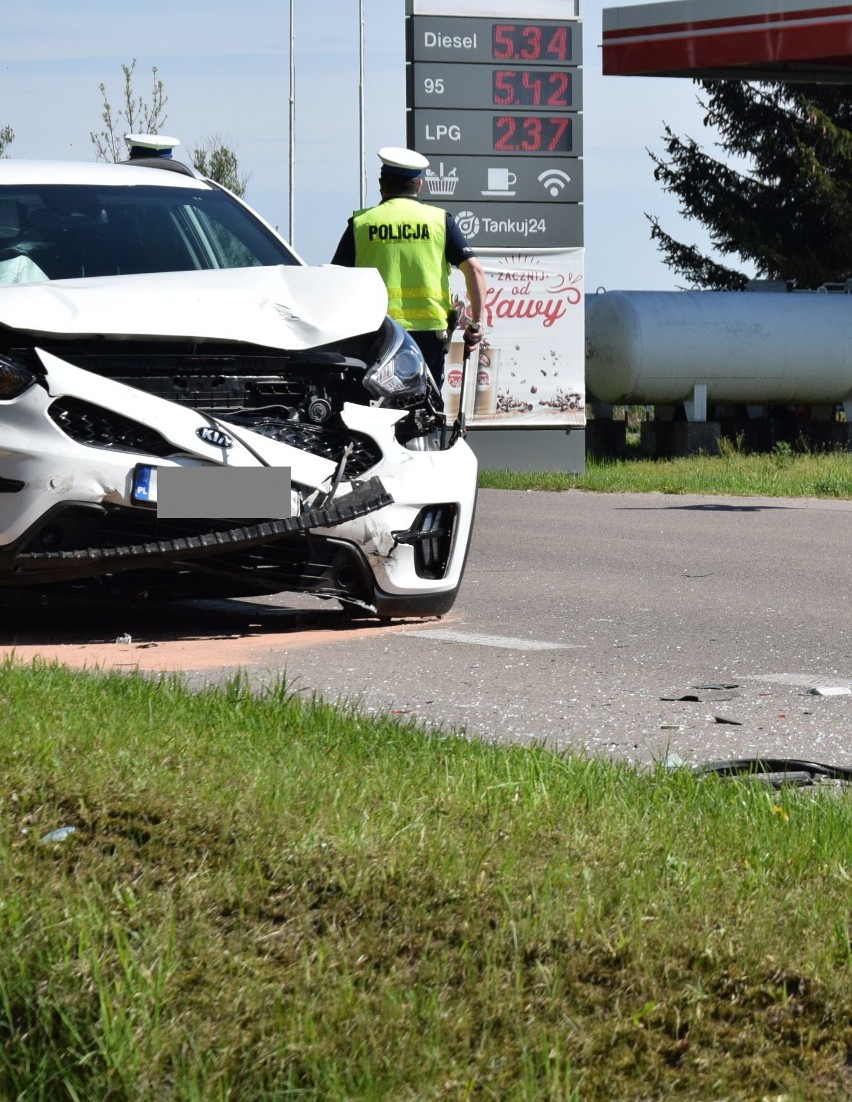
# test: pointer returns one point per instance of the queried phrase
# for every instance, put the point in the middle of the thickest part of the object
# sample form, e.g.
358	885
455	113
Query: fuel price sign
507	90
433	84
479	132
552	88
523	41
467	39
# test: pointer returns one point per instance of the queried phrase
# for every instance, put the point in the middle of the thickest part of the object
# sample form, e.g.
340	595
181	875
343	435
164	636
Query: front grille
329	443
97	427
270	392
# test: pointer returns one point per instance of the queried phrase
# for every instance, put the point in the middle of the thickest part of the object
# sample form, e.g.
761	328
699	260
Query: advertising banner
529	370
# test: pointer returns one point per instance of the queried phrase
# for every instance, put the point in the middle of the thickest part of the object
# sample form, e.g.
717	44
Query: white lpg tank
653	347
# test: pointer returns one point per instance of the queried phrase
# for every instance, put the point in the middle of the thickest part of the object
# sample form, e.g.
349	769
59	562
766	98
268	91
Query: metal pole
363	188
292	171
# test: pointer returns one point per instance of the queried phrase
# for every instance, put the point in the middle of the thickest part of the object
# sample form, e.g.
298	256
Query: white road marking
479	639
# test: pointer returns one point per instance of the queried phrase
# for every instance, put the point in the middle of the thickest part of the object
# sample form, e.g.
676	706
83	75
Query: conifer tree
781	200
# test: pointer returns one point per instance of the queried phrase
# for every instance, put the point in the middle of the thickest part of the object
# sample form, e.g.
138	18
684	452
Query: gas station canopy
789	40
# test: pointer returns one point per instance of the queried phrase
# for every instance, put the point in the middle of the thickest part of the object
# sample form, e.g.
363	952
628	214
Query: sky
226	72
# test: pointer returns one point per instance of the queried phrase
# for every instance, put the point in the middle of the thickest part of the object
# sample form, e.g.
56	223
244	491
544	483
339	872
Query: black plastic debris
777	771
702	698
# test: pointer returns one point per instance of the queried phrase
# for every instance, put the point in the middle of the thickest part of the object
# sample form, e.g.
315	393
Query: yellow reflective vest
405	240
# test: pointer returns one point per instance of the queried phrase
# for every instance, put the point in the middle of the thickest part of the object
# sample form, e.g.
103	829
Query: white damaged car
187	409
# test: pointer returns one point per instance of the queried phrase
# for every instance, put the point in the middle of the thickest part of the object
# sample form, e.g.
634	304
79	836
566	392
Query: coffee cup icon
501	181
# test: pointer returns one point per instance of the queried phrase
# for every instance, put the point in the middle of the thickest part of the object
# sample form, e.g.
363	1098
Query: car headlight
400	371
14	379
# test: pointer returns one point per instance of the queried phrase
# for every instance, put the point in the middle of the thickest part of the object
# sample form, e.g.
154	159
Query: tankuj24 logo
470	224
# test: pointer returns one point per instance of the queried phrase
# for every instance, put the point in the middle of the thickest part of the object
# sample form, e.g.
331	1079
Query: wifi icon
554	181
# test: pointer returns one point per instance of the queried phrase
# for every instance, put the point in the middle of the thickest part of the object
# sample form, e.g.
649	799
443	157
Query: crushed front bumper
68	513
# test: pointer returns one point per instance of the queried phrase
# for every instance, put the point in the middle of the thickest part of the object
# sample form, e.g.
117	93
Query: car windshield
74	231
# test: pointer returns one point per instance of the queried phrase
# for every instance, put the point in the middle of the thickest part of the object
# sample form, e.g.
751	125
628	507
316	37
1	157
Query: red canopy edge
805	43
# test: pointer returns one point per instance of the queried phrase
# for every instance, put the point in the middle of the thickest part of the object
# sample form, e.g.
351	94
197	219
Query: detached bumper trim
88	562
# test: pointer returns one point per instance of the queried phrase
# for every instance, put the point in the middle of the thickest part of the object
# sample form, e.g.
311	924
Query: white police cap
150	145
397	161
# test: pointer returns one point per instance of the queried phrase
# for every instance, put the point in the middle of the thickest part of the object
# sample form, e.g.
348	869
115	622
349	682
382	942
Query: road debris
58	835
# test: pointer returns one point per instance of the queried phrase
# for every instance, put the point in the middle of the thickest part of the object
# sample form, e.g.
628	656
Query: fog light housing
431	536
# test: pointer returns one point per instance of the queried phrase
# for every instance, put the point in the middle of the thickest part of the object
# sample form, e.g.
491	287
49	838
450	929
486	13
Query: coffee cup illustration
451	390
485	400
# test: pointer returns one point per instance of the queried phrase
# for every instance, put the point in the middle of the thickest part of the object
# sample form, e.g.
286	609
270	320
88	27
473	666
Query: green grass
271	898
781	473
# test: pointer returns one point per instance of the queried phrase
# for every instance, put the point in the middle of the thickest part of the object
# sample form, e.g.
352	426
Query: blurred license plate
215	493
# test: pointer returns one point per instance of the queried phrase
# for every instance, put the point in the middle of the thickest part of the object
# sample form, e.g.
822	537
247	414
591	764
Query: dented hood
290	308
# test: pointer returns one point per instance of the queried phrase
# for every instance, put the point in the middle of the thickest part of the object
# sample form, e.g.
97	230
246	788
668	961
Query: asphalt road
629	626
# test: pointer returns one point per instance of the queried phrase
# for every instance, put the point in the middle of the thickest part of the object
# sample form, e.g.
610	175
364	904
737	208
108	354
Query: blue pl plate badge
144	485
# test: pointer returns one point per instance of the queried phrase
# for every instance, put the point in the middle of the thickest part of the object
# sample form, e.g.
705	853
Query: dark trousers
432	343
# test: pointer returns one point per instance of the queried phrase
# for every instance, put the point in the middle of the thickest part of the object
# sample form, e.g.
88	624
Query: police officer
413	245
